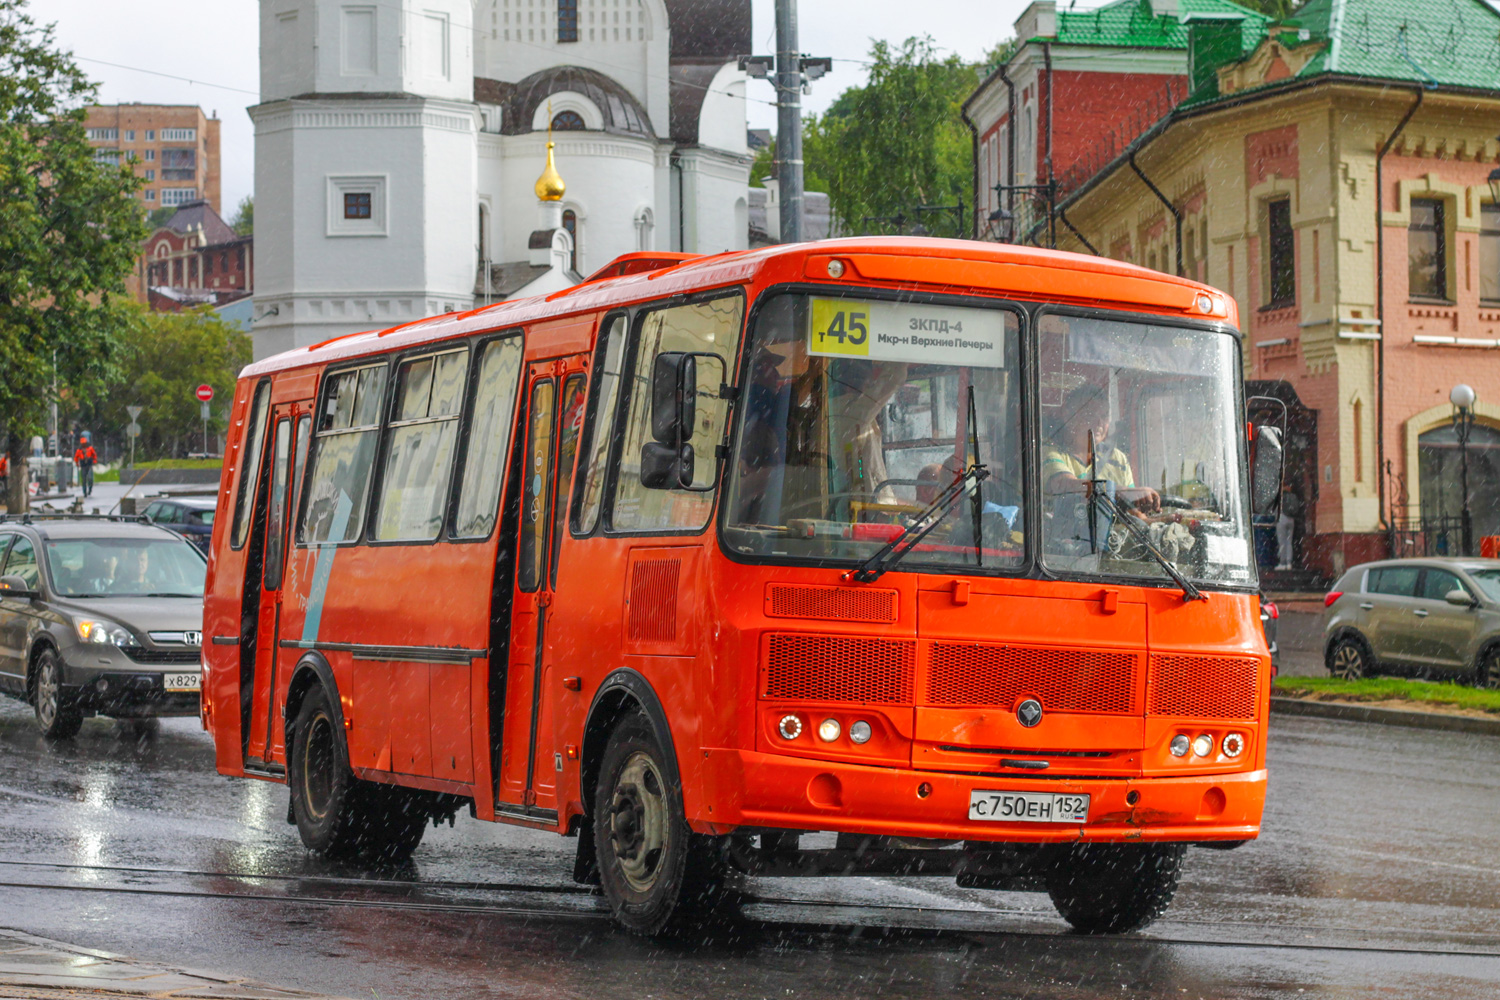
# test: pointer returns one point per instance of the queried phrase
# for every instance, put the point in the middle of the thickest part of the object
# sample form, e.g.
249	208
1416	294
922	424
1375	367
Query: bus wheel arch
312	670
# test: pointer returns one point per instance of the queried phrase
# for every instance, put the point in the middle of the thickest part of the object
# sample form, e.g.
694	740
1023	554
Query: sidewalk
33	967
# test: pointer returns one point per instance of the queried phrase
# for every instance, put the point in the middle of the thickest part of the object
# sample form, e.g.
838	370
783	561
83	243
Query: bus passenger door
554	406
289	431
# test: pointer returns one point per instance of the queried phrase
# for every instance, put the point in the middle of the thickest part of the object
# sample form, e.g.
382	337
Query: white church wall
714	192
286	48
627	41
721	122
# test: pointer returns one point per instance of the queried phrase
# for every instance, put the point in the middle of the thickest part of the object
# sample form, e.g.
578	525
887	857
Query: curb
1354	712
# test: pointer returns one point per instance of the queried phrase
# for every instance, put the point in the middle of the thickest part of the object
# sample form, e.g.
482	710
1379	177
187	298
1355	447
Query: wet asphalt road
1376	875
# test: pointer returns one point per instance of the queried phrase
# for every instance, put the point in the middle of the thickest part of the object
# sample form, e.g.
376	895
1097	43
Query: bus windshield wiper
896	549
1119	510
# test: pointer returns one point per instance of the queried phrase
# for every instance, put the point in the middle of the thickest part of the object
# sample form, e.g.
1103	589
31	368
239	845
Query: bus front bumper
770	791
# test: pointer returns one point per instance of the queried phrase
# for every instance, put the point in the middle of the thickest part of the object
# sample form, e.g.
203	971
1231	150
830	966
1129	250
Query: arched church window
570	223
568	121
567	20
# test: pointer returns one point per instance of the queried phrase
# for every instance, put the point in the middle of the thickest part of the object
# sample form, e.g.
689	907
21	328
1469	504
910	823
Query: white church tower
398	145
364	166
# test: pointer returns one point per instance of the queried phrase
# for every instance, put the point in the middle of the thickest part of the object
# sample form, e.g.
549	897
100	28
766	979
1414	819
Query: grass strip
1375	689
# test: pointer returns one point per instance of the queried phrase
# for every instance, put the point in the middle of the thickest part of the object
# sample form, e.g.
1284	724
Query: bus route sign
907	331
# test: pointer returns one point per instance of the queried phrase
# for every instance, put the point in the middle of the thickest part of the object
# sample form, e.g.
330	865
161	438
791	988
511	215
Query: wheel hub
638	822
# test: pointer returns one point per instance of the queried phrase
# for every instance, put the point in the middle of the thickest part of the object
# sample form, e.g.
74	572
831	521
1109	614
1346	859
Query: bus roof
963	266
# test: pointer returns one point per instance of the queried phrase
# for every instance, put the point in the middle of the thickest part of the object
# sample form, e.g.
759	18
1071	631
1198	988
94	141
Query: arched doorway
1440	467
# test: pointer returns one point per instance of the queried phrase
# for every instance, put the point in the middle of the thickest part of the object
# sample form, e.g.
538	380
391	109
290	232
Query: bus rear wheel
338	815
654	870
1114	888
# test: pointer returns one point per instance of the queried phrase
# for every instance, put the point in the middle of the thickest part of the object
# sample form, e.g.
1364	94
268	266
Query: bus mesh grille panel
1063	680
653	600
840	668
835	603
1203	687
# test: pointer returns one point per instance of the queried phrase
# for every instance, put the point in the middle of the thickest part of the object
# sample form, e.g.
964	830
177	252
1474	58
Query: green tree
157	217
163	357
69	235
244	217
897	142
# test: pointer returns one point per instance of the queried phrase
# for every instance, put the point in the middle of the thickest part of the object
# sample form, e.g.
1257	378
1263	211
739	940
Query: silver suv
1430	616
99	615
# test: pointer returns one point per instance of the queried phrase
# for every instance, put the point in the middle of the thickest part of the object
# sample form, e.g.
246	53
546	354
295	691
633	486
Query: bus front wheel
337	814
1114	888
654	870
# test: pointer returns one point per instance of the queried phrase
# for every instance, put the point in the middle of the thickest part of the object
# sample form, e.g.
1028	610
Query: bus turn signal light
1234	745
790	727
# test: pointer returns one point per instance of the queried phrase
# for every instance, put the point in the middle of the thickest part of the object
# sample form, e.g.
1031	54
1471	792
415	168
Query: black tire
1487	670
56	716
1349	658
1115	888
658	876
338	815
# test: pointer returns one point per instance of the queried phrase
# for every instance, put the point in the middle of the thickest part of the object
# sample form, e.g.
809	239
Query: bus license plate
181	682
1028	807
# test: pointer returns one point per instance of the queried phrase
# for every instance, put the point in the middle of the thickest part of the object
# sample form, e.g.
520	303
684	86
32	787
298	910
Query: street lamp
1004	225
1462	398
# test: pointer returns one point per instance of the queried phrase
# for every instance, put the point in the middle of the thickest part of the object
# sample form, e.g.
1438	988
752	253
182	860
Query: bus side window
598	427
251	447
488	438
537	476
424	435
571	416
712	326
348	427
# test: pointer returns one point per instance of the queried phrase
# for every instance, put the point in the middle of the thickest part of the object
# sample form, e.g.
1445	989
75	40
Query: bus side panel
221	601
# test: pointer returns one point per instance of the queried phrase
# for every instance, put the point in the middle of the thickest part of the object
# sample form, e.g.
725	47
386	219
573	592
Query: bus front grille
839	668
1063	680
1202	687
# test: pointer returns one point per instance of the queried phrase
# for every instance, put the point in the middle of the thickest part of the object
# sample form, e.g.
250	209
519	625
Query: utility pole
788	121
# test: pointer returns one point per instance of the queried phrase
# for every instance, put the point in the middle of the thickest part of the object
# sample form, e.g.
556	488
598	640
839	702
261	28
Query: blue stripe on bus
319	588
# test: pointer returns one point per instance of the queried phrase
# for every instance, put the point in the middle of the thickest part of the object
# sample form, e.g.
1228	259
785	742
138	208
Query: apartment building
175	149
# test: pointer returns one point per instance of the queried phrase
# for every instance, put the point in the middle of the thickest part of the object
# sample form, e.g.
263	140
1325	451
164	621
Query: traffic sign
133	429
134	411
204	393
203	410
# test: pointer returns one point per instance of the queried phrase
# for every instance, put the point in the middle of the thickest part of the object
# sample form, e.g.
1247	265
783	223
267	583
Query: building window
178	164
570	223
356	206
130	135
1489	253
1426	245
151	175
150	154
103	134
108	156
178	196
150	195
568	121
567	20
177	135
1283	253
150	137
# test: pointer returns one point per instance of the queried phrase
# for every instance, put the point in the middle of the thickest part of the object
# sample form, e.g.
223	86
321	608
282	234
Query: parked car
99	615
1270	615
1429	616
190	517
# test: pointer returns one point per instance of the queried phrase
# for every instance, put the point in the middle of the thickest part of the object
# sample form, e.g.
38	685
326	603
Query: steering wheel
787	511
1177	502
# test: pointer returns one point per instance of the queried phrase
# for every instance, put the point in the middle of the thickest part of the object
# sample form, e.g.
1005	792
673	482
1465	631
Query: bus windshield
1140	459
859	413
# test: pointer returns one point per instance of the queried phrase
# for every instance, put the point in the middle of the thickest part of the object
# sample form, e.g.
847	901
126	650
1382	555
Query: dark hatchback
99	616
190	517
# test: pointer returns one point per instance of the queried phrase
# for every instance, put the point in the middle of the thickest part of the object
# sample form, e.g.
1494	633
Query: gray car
1425	616
99	616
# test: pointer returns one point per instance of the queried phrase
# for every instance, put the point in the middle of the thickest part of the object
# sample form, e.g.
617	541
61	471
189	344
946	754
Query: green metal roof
1133	24
1454	42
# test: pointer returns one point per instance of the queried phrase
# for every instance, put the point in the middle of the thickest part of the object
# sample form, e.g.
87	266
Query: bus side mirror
1266	457
667	462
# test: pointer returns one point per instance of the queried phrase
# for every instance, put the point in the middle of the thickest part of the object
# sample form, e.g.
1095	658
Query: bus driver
1067	465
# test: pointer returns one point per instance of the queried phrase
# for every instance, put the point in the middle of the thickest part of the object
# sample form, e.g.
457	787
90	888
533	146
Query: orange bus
862	556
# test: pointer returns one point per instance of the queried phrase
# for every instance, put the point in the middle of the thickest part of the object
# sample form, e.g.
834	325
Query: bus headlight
829	730
1203	746
860	732
1179	745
